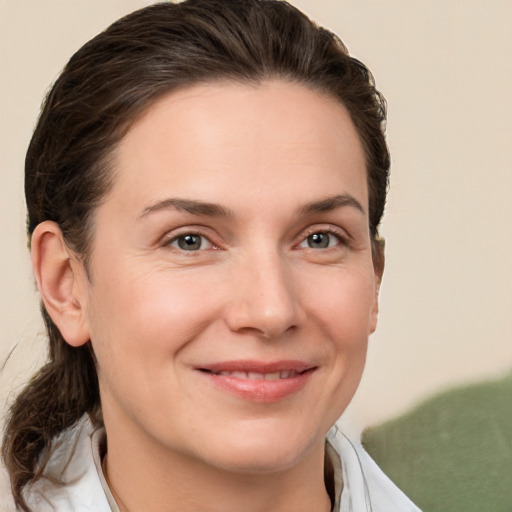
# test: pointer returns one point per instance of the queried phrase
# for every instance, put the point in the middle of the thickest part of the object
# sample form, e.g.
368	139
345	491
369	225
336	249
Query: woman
204	188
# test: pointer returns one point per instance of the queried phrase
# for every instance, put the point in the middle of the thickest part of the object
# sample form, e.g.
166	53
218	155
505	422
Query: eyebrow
215	210
332	203
190	206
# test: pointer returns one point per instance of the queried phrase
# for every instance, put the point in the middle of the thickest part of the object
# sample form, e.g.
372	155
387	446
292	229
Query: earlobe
62	281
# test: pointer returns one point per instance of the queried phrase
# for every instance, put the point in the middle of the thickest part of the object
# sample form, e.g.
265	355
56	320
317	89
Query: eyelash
174	241
182	236
339	235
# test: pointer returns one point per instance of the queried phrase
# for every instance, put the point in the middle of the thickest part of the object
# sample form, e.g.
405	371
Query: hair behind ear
56	398
378	246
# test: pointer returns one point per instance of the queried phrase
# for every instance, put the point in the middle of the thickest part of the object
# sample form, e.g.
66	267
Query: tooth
272	376
237	375
288	374
255	376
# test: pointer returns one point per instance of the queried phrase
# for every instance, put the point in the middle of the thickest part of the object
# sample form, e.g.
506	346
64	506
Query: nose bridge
265	298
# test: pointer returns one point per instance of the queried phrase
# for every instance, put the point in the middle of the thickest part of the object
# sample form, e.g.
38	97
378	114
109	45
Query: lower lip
264	391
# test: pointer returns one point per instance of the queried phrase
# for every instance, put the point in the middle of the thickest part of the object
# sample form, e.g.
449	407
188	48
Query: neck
143	478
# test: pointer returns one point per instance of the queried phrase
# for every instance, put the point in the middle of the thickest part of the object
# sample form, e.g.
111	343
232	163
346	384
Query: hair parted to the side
103	89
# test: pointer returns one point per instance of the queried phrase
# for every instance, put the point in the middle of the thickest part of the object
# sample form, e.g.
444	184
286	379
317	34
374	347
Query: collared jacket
358	485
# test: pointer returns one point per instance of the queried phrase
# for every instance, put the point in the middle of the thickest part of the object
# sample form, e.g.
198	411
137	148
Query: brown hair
105	86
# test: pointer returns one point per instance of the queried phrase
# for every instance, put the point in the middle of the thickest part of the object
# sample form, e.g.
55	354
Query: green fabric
453	453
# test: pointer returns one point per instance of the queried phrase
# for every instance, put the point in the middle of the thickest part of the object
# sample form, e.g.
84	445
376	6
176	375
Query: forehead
254	138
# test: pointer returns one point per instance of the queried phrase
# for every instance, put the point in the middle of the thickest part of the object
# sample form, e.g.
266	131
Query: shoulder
6	501
365	486
71	480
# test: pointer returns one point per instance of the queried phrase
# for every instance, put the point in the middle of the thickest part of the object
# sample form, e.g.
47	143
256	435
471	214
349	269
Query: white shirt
359	484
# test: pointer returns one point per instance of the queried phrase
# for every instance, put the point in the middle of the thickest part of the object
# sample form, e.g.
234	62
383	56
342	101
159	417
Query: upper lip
257	366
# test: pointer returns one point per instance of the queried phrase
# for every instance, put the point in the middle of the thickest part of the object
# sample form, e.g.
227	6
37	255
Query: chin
251	462
263	451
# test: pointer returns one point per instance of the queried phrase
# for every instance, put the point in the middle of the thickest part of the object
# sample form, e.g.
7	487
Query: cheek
343	300
154	309
340	302
343	309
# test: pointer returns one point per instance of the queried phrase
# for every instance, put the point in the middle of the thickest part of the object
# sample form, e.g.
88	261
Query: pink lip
259	390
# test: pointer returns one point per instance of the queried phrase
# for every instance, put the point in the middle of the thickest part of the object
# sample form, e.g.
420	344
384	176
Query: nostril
266	310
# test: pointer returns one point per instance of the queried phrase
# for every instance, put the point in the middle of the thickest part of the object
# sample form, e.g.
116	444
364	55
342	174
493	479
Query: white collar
359	484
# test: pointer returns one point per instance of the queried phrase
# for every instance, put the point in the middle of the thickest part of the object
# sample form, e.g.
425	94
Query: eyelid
172	236
338	232
202	247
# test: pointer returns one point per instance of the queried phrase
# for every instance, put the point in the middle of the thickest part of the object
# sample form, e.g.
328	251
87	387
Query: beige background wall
446	69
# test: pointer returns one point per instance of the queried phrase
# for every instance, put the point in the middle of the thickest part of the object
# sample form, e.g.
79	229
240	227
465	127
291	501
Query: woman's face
232	290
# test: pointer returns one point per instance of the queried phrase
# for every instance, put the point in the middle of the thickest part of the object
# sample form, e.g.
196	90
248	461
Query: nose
264	298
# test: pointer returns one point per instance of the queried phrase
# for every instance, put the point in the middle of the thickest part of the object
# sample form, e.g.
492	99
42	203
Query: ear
378	267
62	282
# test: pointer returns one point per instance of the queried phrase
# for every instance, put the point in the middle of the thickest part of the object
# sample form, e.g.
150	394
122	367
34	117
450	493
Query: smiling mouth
257	381
251	375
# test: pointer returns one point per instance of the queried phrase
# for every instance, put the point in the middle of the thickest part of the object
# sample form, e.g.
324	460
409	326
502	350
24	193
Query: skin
284	272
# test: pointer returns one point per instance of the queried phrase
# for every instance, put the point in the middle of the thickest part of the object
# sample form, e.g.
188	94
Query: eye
320	240
190	242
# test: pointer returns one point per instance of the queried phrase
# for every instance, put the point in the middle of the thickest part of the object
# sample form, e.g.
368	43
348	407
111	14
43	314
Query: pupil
317	240
189	242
